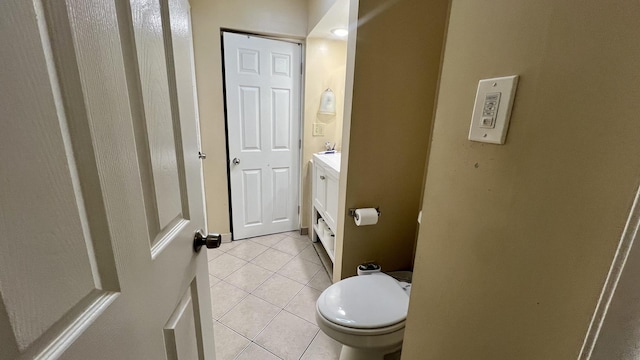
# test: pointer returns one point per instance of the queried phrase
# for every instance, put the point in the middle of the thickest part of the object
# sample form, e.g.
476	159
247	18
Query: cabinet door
331	203
319	188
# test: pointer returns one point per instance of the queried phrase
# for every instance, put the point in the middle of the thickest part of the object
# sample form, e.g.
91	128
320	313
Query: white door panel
251	135
180	332
262	82
252	191
101	187
281	108
281	180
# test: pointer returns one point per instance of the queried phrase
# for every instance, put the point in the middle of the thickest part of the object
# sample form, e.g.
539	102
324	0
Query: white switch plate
492	109
318	129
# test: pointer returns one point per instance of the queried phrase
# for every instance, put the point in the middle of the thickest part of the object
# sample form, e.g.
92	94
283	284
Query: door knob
202	155
235	161
211	241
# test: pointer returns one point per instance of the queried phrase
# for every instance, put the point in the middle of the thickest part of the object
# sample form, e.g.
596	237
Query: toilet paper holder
352	211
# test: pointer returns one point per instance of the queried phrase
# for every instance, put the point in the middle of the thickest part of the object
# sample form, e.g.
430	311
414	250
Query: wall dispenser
328	103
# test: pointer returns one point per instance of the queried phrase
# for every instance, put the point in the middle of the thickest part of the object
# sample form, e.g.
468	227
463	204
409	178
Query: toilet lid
364	302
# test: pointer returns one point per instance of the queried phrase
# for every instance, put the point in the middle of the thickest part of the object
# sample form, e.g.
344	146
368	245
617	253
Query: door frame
625	261
300	115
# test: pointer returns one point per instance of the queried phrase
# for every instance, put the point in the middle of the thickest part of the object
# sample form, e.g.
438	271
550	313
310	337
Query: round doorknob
211	241
235	161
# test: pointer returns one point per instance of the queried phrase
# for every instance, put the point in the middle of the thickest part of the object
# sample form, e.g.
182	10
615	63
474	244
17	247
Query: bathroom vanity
326	172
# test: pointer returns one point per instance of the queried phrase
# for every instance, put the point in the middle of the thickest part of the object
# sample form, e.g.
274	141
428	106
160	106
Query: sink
332	160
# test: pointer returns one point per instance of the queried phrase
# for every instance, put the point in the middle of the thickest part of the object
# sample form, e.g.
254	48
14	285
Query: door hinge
299	143
301	69
298	209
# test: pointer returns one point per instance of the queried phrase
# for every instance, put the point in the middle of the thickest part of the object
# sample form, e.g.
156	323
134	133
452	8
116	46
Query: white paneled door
100	183
262	83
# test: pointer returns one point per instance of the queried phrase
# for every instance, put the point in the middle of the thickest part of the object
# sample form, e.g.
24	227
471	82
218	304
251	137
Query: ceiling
336	17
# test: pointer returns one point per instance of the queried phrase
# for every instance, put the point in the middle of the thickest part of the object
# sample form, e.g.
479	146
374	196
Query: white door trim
623	254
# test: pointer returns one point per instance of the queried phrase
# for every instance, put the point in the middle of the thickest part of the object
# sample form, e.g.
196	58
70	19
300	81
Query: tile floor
264	292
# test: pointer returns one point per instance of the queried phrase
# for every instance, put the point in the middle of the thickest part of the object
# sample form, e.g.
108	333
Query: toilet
366	314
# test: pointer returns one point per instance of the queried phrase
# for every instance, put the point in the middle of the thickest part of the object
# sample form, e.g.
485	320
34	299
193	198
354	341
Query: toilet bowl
366	314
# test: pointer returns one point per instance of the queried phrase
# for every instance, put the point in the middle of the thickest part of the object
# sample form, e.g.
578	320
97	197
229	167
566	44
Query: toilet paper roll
366	216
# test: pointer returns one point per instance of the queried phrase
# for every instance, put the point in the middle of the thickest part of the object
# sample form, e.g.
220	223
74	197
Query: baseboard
226	238
304	231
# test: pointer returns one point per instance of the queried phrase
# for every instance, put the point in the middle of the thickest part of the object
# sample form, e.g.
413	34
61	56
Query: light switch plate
318	129
492	109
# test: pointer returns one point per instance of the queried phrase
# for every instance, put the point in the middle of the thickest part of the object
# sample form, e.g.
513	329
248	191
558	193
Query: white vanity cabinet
326	172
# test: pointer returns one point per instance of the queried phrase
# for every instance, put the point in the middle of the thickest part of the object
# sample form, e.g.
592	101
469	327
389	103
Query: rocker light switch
318	129
492	109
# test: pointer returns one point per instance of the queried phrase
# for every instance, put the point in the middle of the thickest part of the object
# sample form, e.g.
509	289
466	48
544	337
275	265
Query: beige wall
326	62
397	60
517	239
286	18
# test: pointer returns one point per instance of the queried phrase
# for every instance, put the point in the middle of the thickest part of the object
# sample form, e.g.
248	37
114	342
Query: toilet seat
364	305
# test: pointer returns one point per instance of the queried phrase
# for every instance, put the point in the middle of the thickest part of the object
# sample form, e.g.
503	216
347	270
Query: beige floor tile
247	266
255	352
310	254
224	297
292	246
299	270
250	316
224	265
226	246
213	253
322	348
287	336
228	343
278	290
272	259
304	304
248	250
248	277
320	280
213	280
269	240
296	235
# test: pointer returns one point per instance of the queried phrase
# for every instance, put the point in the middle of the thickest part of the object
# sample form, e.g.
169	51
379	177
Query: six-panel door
262	83
100	183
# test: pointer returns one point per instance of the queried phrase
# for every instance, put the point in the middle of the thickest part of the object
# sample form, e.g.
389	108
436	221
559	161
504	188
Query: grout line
270	269
281	309
266	326
236	304
293	297
308	346
244	348
301	318
299	282
233	272
265	349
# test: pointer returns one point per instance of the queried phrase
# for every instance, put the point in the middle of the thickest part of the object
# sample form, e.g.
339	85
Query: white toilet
366	314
